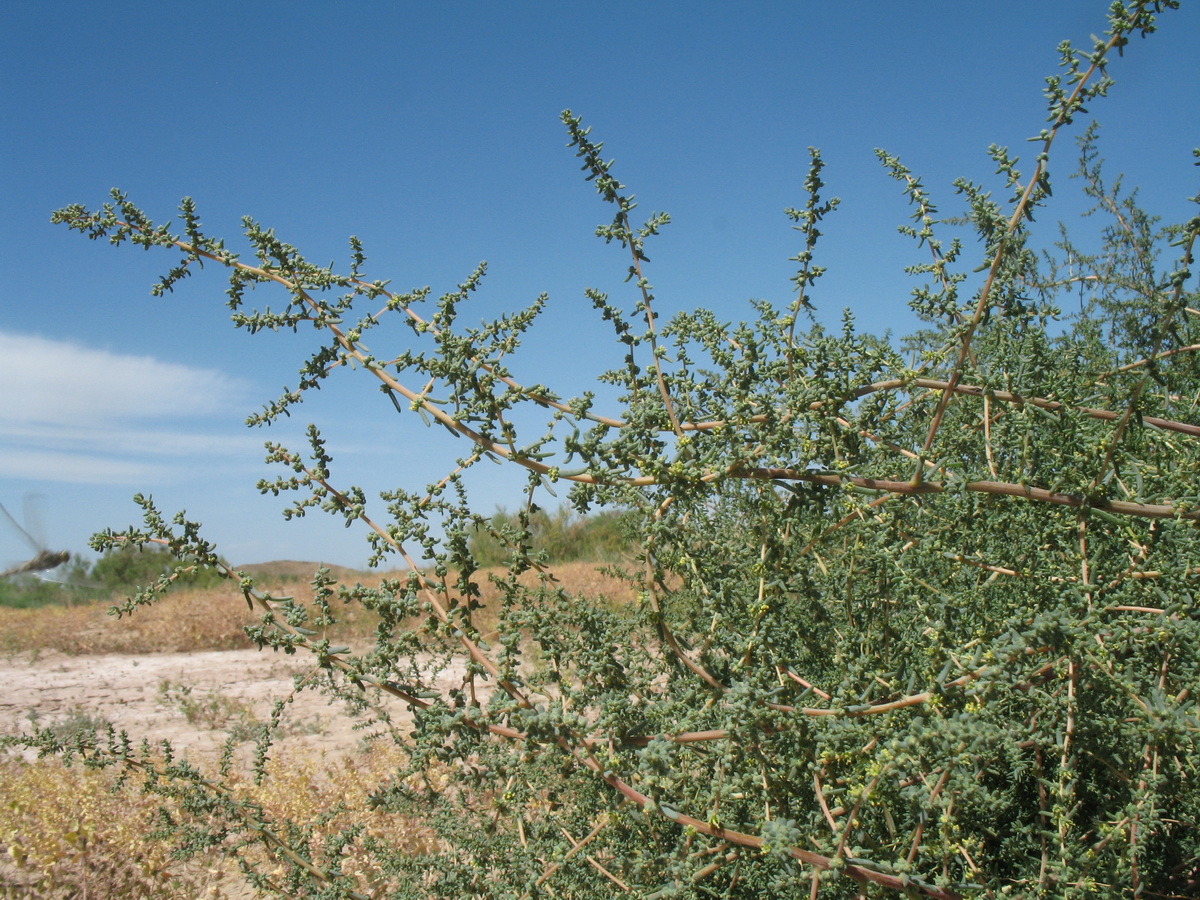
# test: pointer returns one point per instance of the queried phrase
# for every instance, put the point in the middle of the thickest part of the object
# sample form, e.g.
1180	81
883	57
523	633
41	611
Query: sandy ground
128	691
58	689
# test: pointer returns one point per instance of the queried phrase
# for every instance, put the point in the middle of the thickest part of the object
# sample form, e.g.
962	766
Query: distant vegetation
562	536
27	591
213	617
117	571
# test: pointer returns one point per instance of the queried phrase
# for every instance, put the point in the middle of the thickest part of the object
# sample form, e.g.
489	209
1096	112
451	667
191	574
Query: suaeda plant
911	618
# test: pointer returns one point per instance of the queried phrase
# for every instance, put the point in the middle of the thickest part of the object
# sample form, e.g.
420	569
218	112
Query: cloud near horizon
89	416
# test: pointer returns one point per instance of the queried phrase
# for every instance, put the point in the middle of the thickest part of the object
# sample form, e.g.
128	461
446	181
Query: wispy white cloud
134	441
63	382
81	468
78	414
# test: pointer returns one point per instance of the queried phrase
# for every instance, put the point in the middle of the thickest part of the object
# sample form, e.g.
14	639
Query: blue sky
431	131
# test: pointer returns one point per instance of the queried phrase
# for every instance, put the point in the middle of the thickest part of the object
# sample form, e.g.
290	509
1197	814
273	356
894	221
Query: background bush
119	570
561	535
125	567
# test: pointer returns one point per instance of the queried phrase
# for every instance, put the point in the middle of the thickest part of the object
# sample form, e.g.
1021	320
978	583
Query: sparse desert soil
64	663
125	690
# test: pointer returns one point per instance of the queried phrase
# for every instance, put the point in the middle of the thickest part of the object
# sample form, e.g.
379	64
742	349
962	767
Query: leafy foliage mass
914	618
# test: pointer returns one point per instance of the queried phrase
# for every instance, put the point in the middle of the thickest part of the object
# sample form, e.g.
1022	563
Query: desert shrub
211	709
910	618
76	724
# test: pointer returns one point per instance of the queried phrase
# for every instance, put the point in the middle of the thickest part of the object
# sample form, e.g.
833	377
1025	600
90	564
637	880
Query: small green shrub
211	710
77	724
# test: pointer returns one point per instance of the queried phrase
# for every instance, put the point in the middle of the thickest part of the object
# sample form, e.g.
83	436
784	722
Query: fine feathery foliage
913	618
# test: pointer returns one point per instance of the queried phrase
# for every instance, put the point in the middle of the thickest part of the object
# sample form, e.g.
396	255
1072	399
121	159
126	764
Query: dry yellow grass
187	620
213	618
65	833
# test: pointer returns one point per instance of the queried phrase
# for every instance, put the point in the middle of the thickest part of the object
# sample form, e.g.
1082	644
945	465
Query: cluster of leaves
915	619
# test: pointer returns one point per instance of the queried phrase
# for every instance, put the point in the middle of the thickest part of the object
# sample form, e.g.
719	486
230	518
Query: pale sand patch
125	690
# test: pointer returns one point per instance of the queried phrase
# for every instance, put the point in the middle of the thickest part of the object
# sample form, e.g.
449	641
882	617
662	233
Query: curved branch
999	488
